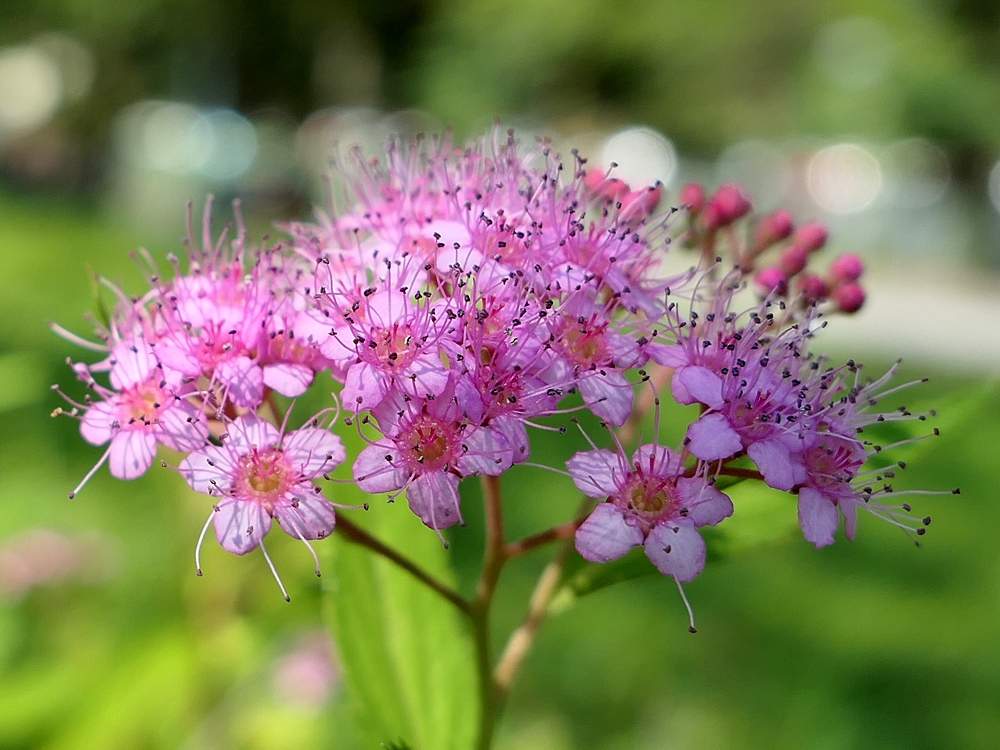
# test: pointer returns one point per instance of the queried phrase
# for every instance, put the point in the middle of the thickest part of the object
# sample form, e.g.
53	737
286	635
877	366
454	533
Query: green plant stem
494	558
521	640
357	535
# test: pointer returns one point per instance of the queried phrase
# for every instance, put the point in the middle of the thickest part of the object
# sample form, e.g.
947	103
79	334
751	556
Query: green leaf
408	654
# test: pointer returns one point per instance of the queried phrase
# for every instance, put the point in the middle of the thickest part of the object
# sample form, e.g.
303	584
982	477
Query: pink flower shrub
463	299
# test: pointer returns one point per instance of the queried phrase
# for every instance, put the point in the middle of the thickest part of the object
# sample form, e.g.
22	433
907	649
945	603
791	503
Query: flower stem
522	639
521	546
494	558
357	535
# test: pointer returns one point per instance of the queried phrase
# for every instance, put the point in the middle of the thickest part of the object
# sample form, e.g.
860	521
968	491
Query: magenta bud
729	204
693	196
794	259
641	203
849	297
847	267
602	186
813	287
771	279
811	236
774	228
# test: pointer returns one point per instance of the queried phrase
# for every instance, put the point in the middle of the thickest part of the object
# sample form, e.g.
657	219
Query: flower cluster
464	297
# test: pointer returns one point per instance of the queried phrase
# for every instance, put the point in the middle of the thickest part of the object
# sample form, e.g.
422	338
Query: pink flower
146	407
427	446
257	474
650	501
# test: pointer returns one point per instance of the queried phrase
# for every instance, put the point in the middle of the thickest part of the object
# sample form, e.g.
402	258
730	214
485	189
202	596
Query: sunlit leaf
408	654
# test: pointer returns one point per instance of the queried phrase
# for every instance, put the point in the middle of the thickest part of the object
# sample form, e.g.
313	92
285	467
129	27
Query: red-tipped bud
771	279
849	297
641	203
602	186
794	259
693	196
813	287
774	228
811	236
729	204
847	267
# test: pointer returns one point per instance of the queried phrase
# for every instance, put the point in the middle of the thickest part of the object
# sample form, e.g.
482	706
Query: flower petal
314	451
364	387
605	535
250	431
181	427
209	470
243	380
608	394
485	451
596	473
817	517
705	504
99	423
240	525
657	460
288	379
781	469
309	514
698	385
132	363
377	469
712	438
132	453
676	550
434	498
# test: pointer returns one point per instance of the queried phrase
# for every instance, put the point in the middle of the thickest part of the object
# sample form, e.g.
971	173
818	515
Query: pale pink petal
309	515
596	473
517	436
243	380
209	470
706	506
485	451
817	517
99	423
850	510
698	385
434	498
668	355
377	469
711	438
364	388
177	357
625	352
250	431
132	453
426	376
288	379
657	460
605	535
781	469
132	363
181	427
608	394
676	550
314	451
240	525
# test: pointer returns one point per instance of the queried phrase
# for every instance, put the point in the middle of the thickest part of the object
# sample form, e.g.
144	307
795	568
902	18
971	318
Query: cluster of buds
717	220
465	297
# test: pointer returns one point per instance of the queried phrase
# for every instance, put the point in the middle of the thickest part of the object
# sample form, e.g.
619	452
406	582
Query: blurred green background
879	118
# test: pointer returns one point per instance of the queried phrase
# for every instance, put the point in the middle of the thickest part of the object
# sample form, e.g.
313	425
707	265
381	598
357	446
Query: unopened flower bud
813	287
794	259
693	196
847	267
849	297
811	236
774	228
601	185
641	203
771	279
729	204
